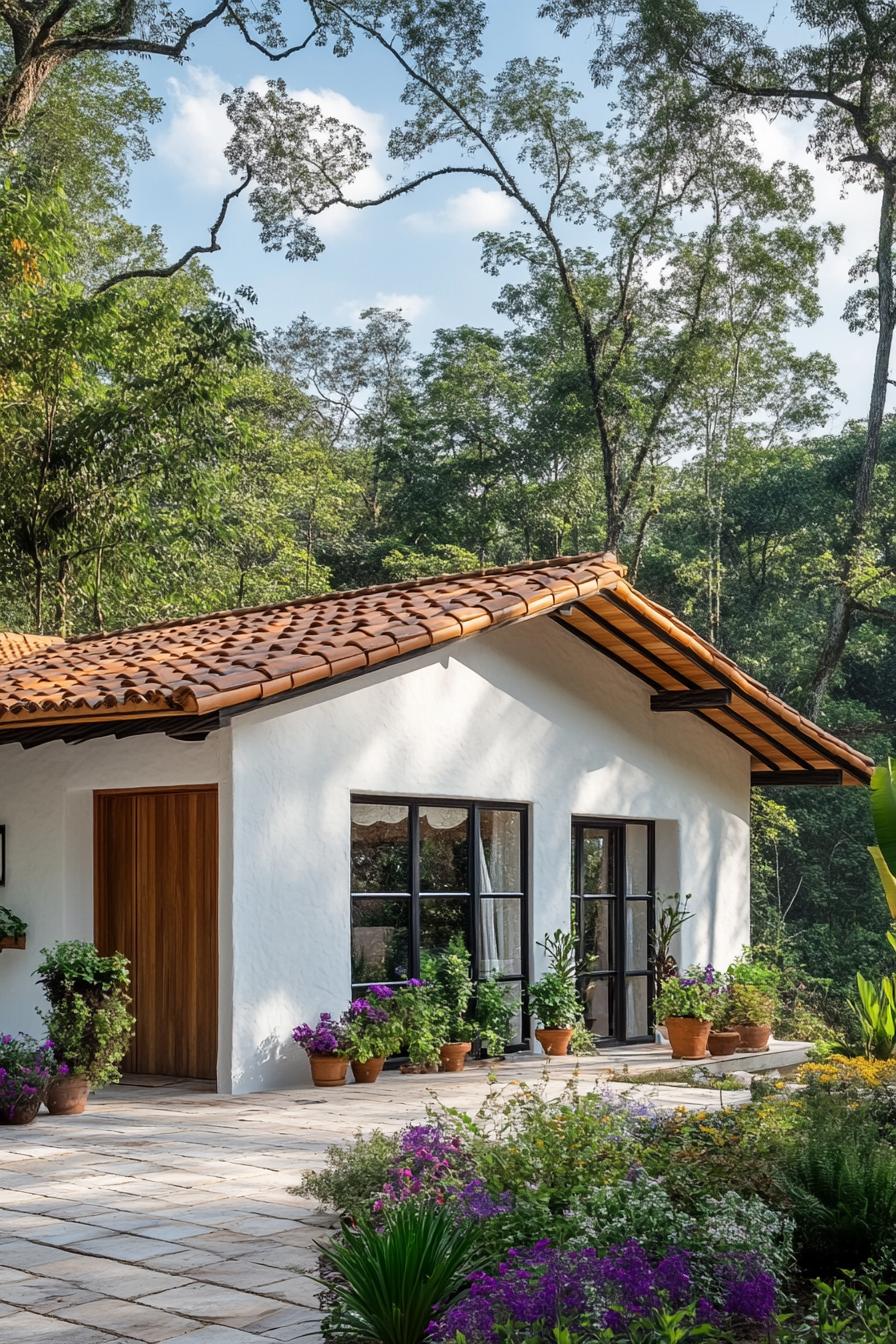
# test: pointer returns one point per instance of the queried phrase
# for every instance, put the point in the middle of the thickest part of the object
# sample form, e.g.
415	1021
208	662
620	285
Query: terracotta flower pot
453	1055
554	1040
753	1038
723	1042
369	1071
328	1070
23	1114
67	1095
688	1036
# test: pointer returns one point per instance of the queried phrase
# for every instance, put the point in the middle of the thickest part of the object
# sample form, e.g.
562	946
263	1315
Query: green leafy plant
747	1005
840	1183
684	997
88	1018
11	926
554	999
672	915
492	1016
423	1022
370	1028
353	1174
449	973
390	1275
852	1309
875	1009
883	815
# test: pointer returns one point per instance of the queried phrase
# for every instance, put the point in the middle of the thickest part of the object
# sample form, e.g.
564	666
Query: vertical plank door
158	891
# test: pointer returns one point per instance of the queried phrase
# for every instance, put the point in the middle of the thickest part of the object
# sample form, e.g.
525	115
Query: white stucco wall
46	804
523	714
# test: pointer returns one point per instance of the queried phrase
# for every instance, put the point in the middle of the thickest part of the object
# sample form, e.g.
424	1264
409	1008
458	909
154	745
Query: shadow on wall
275	1063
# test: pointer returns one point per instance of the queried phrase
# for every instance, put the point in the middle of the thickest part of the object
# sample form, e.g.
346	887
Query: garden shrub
854	1309
840	1181
354	1174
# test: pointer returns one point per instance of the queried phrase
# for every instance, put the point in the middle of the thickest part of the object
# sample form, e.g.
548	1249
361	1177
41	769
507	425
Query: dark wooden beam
667	702
813	778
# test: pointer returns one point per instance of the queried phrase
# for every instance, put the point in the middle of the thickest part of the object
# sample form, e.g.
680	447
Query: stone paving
161	1214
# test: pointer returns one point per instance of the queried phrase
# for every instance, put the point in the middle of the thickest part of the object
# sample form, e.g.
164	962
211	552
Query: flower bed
594	1218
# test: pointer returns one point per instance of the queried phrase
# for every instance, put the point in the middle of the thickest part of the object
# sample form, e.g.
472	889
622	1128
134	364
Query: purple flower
381	992
324	1039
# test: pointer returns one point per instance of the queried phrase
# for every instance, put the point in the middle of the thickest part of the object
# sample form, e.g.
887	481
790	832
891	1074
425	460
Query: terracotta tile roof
14	646
189	670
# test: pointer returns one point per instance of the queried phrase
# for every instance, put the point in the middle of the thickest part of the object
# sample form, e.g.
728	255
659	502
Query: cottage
267	808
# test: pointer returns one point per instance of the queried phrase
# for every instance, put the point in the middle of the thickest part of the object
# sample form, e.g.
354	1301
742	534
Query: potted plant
685	1007
751	1010
324	1046
554	999
12	930
723	1038
370	1032
492	1017
88	1020
26	1071
423	1025
450	974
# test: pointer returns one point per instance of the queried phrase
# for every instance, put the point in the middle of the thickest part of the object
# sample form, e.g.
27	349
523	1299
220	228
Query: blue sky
417	253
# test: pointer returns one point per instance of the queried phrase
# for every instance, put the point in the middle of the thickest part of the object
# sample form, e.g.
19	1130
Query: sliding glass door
613	916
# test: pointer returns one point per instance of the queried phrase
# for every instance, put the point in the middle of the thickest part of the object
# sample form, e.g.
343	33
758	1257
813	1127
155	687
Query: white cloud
412	306
194	140
470	211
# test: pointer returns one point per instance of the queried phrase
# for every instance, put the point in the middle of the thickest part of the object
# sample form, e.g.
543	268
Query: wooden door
156	900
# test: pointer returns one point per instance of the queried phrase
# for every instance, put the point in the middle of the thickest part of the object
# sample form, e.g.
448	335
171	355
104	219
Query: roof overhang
186	678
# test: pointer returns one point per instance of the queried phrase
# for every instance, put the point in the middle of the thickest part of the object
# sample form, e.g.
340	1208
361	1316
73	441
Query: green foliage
676	999
353	1174
554	999
875	1009
857	1308
492	1016
840	1182
391	1275
11	925
672	914
747	1005
449	974
88	1019
424	1023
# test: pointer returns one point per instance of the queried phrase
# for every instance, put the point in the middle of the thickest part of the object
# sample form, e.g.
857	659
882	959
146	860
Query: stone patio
162	1213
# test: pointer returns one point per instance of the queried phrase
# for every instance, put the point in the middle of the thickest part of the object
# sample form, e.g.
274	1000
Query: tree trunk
842	611
22	88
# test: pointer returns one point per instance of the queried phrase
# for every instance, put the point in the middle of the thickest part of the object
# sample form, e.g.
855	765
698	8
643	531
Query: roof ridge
606	558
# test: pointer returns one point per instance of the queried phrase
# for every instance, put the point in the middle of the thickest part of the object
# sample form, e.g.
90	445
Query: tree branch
164	272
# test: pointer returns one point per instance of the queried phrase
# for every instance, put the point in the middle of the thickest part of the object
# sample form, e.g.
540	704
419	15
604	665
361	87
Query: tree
843	76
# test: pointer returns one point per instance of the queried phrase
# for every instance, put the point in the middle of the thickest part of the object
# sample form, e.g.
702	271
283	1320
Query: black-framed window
423	870
613	900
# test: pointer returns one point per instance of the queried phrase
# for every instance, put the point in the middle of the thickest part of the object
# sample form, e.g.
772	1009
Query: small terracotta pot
688	1036
753	1038
554	1040
723	1042
23	1114
67	1095
328	1070
369	1071
453	1056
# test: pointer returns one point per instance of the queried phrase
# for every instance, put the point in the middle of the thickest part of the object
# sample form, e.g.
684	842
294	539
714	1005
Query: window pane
636	935
380	940
636	878
380	852
598	862
500	935
600	1006
500	857
444	849
598	949
514	996
635	1006
440	918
